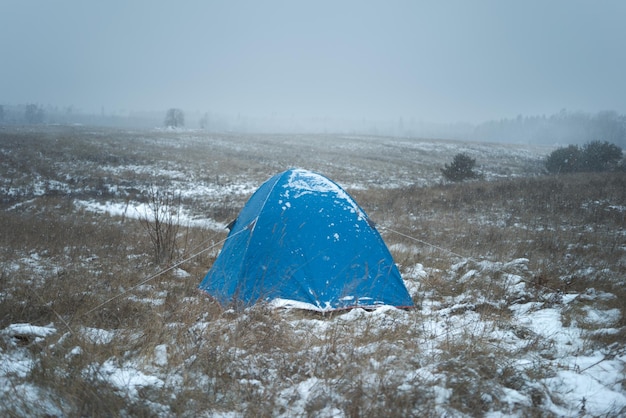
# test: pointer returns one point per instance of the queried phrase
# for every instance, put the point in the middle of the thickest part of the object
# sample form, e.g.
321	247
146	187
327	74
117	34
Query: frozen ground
562	375
487	339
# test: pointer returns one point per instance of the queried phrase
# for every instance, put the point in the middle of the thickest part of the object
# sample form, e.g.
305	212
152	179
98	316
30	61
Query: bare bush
161	222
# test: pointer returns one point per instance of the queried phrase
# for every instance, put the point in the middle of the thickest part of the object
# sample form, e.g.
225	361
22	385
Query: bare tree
204	121
174	118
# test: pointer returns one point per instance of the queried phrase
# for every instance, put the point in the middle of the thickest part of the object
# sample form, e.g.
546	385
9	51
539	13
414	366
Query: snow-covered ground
488	338
562	377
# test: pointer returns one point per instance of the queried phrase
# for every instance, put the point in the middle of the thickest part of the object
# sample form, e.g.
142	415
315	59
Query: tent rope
161	272
178	263
445	250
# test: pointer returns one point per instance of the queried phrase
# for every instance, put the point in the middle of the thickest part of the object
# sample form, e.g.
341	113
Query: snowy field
519	281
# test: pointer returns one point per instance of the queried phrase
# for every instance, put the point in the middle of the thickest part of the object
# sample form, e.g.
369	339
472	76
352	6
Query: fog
407	62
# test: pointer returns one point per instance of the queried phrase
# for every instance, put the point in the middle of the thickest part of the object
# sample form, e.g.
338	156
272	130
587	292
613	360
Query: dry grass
80	270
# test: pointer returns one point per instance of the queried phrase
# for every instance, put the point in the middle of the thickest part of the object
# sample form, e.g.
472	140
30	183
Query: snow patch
127	378
305	182
97	336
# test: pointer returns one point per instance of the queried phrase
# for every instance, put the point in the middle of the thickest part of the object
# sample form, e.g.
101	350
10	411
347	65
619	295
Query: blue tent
302	241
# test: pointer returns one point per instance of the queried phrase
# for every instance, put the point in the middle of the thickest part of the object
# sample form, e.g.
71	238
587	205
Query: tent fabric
302	241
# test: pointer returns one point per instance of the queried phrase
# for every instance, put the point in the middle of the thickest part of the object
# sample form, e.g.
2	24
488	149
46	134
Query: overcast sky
435	61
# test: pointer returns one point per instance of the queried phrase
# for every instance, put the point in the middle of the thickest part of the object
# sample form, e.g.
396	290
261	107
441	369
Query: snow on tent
302	241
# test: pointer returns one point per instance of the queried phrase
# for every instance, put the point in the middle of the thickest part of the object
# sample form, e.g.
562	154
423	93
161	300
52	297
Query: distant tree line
564	127
29	114
593	156
34	114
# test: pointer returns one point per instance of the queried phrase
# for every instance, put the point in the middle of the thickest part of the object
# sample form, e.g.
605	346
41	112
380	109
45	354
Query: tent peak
301	182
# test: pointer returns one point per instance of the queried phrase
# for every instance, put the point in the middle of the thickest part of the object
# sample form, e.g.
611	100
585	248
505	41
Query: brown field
133	338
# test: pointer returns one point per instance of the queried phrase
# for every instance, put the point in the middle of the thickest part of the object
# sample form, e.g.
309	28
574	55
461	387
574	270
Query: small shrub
564	160
593	156
461	168
601	156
